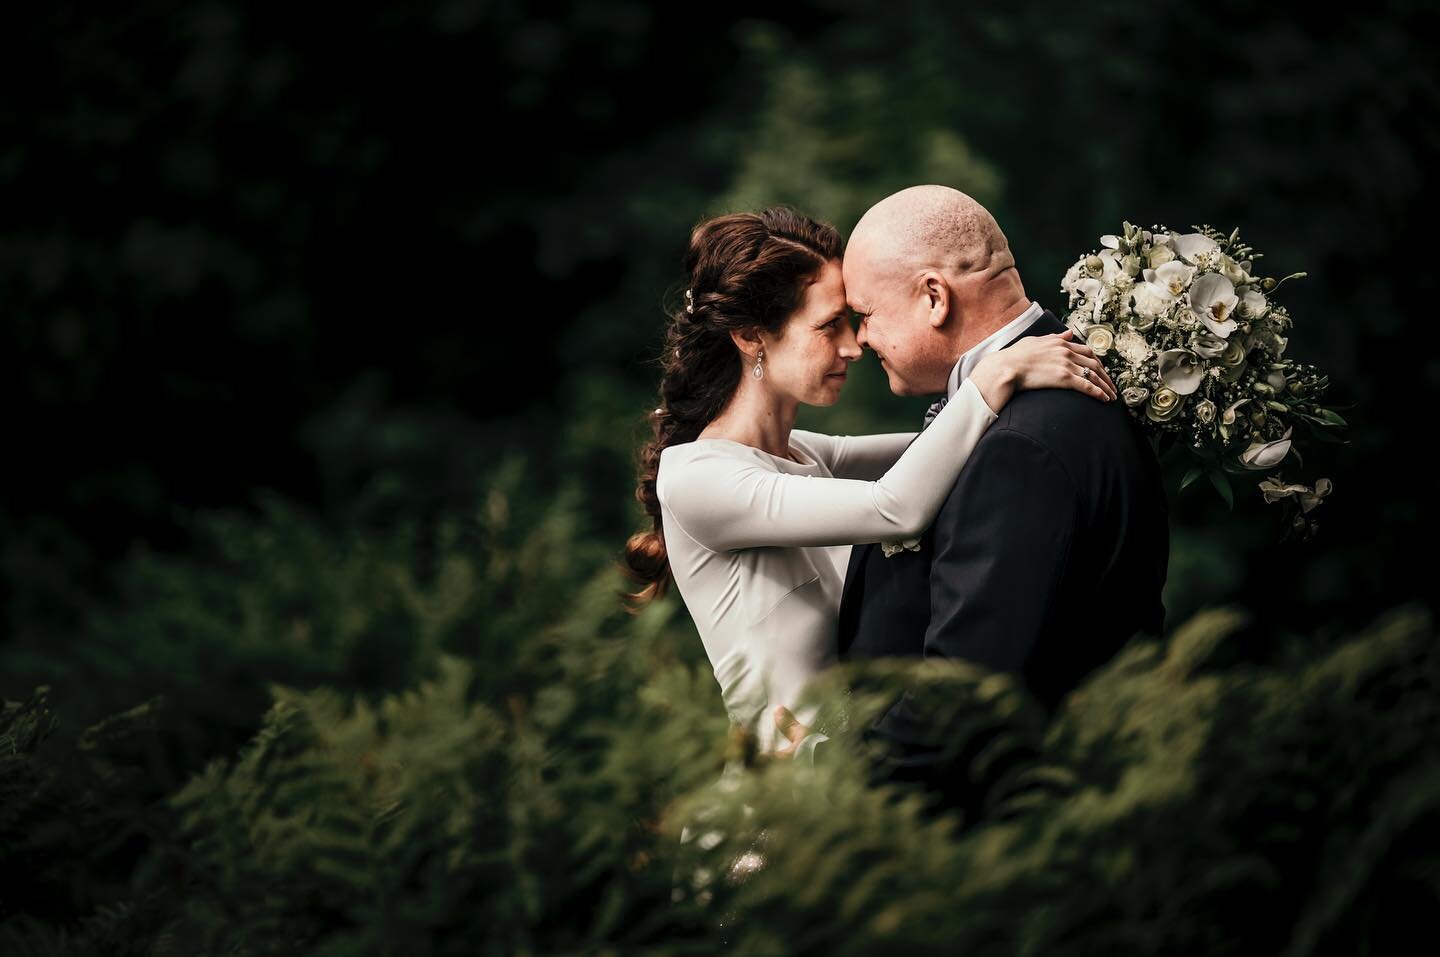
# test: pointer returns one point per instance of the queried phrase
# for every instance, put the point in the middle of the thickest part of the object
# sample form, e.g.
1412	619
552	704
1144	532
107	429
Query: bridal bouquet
1196	344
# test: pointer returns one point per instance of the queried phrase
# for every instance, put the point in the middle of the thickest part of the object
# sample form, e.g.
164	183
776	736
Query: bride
754	519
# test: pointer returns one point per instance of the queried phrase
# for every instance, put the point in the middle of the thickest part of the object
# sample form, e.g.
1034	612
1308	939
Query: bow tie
933	411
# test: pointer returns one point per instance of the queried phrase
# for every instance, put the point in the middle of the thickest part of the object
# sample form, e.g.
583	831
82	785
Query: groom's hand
791	728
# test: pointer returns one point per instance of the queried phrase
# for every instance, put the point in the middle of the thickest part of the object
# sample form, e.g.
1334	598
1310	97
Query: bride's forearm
868	457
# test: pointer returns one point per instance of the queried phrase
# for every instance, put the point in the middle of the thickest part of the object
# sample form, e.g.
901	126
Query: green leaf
1222	485
1191	476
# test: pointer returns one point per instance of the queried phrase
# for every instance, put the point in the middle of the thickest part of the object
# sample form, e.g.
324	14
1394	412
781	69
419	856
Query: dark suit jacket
1049	554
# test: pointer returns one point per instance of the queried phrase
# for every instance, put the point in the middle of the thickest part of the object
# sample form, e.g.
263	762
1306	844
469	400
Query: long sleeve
725	502
866	457
1001	547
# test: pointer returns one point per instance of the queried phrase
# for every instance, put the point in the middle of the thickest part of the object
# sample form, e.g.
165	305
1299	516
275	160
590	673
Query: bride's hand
1042	362
791	728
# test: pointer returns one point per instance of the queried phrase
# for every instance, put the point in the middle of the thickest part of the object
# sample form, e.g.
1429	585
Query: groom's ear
940	299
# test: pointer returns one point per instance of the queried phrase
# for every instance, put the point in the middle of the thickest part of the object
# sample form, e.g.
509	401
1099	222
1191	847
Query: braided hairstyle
747	271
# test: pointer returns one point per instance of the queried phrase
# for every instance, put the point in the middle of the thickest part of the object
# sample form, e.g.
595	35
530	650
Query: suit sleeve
1002	542
726	502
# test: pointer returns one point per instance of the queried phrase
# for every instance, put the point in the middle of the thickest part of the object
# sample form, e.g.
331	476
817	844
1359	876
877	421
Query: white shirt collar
991	343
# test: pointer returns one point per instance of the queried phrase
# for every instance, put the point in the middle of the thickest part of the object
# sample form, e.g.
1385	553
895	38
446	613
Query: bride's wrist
996	383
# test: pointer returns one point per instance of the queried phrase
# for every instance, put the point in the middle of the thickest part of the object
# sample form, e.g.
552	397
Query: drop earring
758	372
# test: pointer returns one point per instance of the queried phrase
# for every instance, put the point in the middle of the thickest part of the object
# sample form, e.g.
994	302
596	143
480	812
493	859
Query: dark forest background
328	336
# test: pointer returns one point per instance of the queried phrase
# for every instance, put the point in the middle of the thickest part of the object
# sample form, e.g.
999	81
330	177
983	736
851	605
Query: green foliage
532	795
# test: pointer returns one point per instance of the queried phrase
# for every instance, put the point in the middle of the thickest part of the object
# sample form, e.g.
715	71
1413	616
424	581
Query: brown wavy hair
746	271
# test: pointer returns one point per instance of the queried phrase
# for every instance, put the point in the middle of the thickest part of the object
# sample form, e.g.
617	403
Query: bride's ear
747	341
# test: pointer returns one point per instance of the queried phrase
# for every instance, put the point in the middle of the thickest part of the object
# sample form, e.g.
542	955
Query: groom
1052	547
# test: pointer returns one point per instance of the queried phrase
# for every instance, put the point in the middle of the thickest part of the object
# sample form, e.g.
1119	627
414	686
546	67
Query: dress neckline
778	458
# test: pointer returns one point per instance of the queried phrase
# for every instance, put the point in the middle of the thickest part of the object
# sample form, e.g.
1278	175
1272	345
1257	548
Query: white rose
1173	277
891	548
1100	338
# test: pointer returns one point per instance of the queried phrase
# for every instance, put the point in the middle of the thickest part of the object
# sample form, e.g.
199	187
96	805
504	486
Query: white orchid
1195	247
1173	277
1213	299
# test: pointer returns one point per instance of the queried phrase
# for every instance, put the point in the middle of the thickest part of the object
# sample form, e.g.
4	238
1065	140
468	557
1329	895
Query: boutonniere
890	548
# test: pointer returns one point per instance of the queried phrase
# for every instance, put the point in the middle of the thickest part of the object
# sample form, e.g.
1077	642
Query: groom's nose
860	335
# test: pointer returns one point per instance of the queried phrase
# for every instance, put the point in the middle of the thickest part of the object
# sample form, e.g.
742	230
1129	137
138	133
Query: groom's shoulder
1065	421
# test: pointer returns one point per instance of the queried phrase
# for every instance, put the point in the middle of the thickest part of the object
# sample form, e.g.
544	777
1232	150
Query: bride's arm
858	456
726	503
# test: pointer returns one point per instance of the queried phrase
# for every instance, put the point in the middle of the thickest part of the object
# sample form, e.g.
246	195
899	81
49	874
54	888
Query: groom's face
893	325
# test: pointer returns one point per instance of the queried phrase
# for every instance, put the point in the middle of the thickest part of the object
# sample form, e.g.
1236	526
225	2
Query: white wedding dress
759	545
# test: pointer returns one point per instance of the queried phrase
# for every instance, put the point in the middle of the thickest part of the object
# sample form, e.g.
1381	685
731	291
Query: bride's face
809	361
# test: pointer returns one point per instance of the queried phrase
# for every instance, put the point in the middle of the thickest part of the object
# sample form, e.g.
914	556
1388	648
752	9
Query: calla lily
1266	455
1180	370
1213	299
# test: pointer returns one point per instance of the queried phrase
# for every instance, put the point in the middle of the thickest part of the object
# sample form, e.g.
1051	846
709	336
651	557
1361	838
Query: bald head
931	272
932	227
